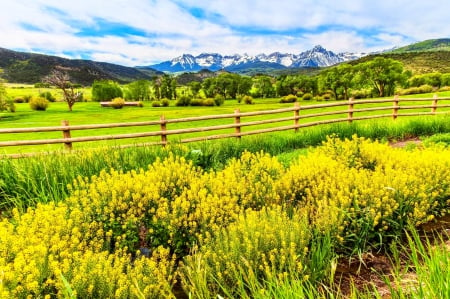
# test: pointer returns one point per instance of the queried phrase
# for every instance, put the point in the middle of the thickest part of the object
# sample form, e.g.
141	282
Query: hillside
417	62
442	44
19	67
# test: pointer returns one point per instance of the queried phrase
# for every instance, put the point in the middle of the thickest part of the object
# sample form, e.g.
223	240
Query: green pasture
92	113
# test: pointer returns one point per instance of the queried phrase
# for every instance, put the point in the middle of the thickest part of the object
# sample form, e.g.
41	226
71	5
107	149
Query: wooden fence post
296	115
434	104
237	121
66	134
395	109
350	110
163	129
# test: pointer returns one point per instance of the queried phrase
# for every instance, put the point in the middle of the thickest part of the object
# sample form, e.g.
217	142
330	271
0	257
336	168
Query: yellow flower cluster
260	245
49	242
358	189
121	234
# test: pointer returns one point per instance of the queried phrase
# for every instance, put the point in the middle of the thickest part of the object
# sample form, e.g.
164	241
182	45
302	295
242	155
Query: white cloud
229	26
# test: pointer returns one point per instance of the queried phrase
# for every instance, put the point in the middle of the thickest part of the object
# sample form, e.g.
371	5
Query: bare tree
59	78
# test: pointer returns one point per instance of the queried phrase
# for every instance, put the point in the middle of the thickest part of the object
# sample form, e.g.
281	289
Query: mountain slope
442	44
19	67
316	57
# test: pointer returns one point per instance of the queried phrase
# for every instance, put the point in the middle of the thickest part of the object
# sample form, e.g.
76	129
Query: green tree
166	87
264	86
338	79
195	87
106	90
140	90
244	85
382	74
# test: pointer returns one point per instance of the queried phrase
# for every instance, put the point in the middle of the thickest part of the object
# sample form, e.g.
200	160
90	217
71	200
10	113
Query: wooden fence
299	114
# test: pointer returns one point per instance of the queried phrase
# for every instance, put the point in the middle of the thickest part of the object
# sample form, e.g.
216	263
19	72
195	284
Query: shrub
208	102
318	98
299	94
27	98
156	104
327	96
248	100
444	88
307	97
39	103
290	98
165	102
196	102
416	90
19	100
48	95
219	100
11	106
183	100
3	104
117	103
361	94
140	104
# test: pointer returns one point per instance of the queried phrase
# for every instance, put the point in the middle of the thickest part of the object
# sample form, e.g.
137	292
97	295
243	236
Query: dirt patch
373	270
405	142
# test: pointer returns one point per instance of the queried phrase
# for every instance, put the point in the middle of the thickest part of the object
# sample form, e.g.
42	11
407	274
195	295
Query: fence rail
299	113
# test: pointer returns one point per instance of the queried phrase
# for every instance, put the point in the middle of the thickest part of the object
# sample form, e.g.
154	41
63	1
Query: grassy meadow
277	215
93	113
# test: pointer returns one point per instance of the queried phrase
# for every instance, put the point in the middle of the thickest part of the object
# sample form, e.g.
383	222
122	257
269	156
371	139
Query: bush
248	100
140	104
416	90
11	106
219	100
300	94
48	95
38	104
208	102
156	104
165	102
361	94
290	98
307	97
117	103
19	100
196	102
183	100
27	98
327	96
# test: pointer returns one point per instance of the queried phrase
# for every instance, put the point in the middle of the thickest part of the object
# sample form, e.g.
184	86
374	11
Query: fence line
299	113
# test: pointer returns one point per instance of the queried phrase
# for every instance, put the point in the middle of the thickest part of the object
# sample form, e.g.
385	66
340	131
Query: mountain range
316	57
21	67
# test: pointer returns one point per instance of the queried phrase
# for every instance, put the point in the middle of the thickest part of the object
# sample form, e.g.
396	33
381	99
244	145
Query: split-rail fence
161	127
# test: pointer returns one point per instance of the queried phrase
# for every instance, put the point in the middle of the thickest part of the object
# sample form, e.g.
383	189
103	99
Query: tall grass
44	178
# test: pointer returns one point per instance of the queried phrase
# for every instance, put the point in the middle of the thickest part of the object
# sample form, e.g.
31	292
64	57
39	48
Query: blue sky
143	32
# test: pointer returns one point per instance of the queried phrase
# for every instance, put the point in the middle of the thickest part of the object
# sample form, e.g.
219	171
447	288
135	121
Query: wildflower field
253	228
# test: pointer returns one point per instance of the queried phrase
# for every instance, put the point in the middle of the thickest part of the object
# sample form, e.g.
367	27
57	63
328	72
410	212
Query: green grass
26	181
92	113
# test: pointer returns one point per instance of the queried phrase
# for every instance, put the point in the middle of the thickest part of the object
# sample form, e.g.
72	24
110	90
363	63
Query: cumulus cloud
140	32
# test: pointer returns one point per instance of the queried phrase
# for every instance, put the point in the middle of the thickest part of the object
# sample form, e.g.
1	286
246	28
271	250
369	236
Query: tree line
378	77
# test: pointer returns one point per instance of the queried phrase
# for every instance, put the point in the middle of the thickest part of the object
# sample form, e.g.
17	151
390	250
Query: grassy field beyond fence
187	124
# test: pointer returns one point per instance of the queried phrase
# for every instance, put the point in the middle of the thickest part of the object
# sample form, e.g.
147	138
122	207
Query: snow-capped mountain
316	57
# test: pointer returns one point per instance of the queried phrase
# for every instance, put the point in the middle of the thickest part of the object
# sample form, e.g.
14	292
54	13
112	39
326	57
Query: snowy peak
316	57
